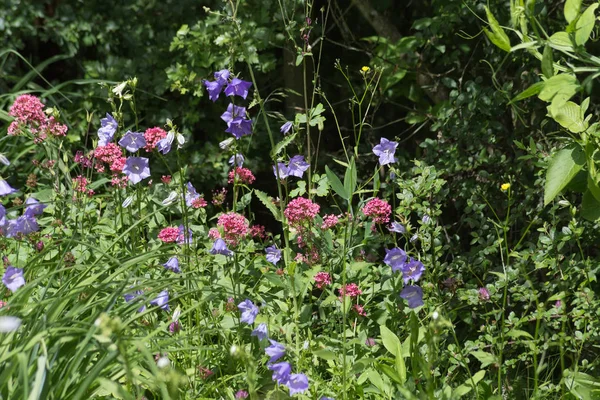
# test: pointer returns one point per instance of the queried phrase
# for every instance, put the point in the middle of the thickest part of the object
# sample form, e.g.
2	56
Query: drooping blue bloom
13	278
261	331
220	247
133	141
239	127
284	171
162	300
214	89
184	240
413	295
24	225
412	270
297	166
273	254
285	128
172	264
237	159
164	145
136	169
395	258
385	150
129	297
5	188
298	383
34	207
281	372
238	87
191	195
249	311
397	227
107	131
414	238
426	219
275	351
233	112
3	220
222	76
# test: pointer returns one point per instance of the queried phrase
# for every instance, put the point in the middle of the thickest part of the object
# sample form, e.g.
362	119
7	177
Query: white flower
233	350
163	362
226	143
435	315
171	199
9	324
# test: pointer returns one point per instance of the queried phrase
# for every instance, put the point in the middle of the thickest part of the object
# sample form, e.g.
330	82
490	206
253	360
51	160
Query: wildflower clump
379	210
153	136
301	210
28	112
235	226
168	234
243	175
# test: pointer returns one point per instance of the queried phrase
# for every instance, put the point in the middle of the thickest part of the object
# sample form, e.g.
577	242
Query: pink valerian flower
484	294
214	234
204	372
329	221
235	227
243	175
360	310
84	161
55	128
230	305
110	154
153	136
219	197
28	108
199	202
166	179
351	290
322	279
80	185
301	210
29	114
119	181
2	303
370	342
169	234
311	257
118	164
241	394
379	210
258	231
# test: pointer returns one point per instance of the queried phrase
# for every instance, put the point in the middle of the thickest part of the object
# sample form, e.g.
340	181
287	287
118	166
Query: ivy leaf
300	190
565	164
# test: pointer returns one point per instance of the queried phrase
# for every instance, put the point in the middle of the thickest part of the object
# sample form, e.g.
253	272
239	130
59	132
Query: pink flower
169	234
118	164
27	109
243	175
322	279
258	231
166	179
484	294
235	227
119	181
329	221
379	210
360	310
301	210
80	185
214	234
199	202
152	136
351	290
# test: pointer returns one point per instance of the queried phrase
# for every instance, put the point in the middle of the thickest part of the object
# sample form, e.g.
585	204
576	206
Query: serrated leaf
497	35
548	62
565	164
569	116
268	202
336	184
585	25
571	10
283	144
484	357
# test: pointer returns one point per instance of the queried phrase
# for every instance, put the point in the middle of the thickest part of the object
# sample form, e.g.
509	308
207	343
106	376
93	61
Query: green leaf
590	207
325	354
532	90
571	10
268	202
484	357
559	89
336	184
390	340
283	144
565	164
350	178
585	25
517	333
569	116
547	62
593	187
497	35
561	41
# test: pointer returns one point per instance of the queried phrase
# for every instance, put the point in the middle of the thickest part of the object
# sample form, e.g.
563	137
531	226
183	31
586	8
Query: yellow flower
365	69
505	187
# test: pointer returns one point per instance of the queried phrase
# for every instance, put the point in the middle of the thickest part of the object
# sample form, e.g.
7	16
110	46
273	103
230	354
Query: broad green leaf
593	187
468	385
565	164
497	35
532	90
336	184
350	178
585	25
517	333
559	89
268	202
569	116
590	207
390	340
484	357
325	354
561	41
571	10
548	62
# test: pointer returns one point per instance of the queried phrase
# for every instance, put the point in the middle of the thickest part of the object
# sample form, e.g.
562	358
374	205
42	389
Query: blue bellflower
184	240
129	297
136	169
273	254
238	87
297	166
34	207
237	159
5	188
261	331
191	195
249	311
107	131
413	295
13	278
172	264
239	127
233	112
385	151
284	171
133	141
162	300
412	270
214	89
397	227
281	372
285	128
275	351
298	383
24	225
395	258
220	247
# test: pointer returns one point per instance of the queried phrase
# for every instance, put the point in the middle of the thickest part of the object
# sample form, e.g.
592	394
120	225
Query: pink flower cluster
235	226
152	136
219	197
258	231
329	221
199	202
301	210
379	210
80	185
85	161
29	114
322	279
360	310
119	181
214	234
112	155
169	234
351	290
243	175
